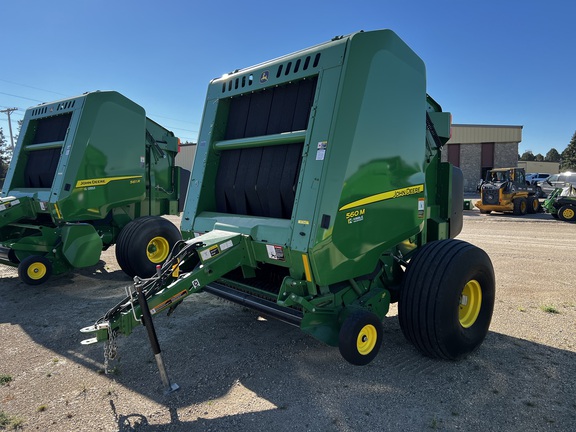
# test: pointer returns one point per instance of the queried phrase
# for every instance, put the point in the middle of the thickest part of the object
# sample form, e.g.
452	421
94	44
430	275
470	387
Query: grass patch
42	408
4	419
551	309
5	379
9	422
436	423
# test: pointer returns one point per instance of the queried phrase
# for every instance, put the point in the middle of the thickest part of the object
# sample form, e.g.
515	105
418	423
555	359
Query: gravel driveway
239	372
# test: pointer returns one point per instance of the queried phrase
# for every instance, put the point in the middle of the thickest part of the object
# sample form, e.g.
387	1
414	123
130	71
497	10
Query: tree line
567	158
6	151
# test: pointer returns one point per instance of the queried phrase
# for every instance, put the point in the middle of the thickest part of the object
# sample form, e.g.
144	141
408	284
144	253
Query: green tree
527	156
569	156
539	158
552	155
5	156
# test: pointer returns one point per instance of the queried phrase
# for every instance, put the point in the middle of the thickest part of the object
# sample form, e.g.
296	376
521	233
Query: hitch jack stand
147	320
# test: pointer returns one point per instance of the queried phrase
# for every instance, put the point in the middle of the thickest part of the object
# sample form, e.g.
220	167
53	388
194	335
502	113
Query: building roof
476	134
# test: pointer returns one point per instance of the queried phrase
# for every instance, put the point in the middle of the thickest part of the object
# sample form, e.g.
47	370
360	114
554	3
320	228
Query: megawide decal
106	180
397	193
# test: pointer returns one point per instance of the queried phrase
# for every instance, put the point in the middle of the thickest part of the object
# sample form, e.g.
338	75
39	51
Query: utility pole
9	111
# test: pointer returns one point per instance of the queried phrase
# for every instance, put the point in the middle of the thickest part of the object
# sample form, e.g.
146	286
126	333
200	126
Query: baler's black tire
567	213
485	211
144	243
447	299
123	244
34	270
533	205
520	206
360	337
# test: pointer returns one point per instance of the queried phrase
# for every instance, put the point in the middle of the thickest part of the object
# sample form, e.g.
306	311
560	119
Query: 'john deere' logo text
105	181
407	191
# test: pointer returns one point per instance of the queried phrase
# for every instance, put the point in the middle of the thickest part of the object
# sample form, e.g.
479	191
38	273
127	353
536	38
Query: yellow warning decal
169	302
105	181
397	193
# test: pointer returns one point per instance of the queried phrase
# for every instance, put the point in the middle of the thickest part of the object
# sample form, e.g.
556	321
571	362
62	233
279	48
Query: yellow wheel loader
506	190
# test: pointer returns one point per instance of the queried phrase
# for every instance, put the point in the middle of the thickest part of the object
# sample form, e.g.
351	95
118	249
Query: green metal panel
107	160
374	173
13	209
81	245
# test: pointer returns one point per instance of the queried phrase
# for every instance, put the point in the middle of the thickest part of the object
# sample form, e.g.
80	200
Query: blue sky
503	62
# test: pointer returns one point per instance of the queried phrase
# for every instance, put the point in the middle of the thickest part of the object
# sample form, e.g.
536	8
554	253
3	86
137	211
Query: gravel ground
237	371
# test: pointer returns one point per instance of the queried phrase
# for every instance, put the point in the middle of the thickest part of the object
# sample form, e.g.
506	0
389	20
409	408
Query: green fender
81	244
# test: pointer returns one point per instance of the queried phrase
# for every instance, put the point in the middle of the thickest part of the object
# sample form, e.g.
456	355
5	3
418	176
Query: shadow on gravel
495	216
214	349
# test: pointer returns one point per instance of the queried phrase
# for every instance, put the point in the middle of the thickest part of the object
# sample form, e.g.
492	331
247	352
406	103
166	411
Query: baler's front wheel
360	337
34	270
144	243
447	299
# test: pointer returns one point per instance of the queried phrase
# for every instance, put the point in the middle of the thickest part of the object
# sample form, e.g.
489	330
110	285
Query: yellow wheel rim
36	271
568	213
470	303
366	340
157	249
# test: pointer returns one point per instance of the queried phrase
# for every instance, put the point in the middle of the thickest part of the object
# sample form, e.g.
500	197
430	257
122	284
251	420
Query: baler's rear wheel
360	337
145	242
447	299
35	270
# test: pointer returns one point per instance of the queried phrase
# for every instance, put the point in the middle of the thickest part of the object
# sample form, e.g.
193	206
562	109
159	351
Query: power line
32	87
21	97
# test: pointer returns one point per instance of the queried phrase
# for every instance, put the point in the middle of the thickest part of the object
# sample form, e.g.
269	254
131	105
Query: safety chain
110	349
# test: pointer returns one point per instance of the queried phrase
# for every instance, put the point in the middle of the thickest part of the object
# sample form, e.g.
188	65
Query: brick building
479	148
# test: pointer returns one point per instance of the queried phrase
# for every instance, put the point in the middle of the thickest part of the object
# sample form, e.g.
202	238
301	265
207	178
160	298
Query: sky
496	62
